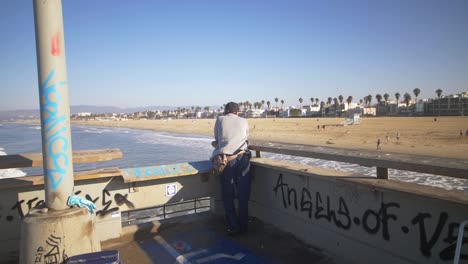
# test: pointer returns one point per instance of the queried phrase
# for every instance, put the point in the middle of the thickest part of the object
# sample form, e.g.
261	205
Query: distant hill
74	109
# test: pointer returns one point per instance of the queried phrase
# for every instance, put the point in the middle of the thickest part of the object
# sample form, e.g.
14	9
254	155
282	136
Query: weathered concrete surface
53	236
363	218
107	189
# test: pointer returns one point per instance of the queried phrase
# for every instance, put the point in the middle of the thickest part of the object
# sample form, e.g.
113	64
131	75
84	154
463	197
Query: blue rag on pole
81	202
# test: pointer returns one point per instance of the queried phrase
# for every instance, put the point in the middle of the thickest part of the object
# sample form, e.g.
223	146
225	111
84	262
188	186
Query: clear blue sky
183	53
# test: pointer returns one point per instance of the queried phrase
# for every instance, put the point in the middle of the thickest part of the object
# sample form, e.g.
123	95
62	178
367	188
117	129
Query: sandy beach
418	135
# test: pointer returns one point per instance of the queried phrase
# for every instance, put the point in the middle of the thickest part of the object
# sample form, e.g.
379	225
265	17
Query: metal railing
457	168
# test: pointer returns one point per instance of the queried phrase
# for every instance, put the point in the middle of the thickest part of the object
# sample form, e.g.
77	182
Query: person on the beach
378	144
231	134
461	133
398	136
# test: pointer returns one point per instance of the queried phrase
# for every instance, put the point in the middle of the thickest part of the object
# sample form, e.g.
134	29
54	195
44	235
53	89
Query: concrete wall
356	218
111	195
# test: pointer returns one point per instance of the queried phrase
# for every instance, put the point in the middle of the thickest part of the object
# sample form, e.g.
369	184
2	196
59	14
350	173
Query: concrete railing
357	218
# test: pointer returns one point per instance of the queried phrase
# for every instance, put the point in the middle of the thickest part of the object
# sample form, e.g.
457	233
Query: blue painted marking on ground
212	249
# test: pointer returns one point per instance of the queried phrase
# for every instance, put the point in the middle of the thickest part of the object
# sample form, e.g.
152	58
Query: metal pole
55	110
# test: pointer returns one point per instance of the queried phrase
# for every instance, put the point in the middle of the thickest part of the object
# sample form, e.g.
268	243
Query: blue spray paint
55	129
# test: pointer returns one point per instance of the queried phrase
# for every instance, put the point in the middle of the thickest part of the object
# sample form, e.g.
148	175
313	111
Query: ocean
142	148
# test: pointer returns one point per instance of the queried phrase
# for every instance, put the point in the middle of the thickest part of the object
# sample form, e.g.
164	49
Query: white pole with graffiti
55	109
57	231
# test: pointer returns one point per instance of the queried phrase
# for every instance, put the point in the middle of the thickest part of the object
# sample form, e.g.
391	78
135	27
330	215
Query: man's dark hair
231	107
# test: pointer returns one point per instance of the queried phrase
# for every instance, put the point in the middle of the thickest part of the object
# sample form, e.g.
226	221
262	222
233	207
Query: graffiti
118	199
55	45
106	203
35	202
448	252
54	129
38	256
380	220
53	255
169	170
372	221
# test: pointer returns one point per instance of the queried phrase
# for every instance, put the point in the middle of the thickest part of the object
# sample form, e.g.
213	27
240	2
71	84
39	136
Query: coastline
418	135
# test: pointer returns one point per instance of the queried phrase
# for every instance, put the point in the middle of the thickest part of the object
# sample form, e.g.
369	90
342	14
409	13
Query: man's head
231	107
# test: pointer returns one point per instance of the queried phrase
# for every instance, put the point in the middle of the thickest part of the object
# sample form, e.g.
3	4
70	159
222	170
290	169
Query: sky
201	53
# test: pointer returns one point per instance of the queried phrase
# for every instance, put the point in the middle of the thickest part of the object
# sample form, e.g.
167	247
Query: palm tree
407	99
360	101
439	94
276	101
268	105
416	92
317	100
340	98
369	99
312	100
335	102
397	97
329	100
300	102
386	96
378	97
349	100
263	102
282	103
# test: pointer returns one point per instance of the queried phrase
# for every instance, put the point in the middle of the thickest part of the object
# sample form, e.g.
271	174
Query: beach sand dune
418	135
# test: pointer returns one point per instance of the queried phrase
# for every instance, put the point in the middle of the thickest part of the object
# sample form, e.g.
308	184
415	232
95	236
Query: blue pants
235	179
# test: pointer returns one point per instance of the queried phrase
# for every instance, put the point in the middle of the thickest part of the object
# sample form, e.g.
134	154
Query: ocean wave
35	127
10	173
447	183
175	140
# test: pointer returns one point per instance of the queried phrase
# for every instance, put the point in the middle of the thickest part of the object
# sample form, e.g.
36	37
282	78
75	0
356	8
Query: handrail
457	168
81	156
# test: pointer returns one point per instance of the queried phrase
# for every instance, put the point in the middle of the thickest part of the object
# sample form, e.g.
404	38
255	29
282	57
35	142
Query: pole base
53	236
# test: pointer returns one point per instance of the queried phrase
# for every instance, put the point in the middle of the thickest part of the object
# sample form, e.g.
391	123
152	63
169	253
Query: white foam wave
10	173
447	183
175	140
93	131
35	127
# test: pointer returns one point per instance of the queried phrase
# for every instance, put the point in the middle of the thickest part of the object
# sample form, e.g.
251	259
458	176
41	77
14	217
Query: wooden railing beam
81	156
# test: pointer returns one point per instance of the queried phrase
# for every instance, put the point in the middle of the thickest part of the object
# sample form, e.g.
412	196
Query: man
231	133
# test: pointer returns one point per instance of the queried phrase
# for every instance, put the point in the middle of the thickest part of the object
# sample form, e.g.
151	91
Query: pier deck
202	239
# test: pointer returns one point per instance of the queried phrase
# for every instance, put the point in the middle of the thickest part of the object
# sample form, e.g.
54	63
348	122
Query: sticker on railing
115	214
171	189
